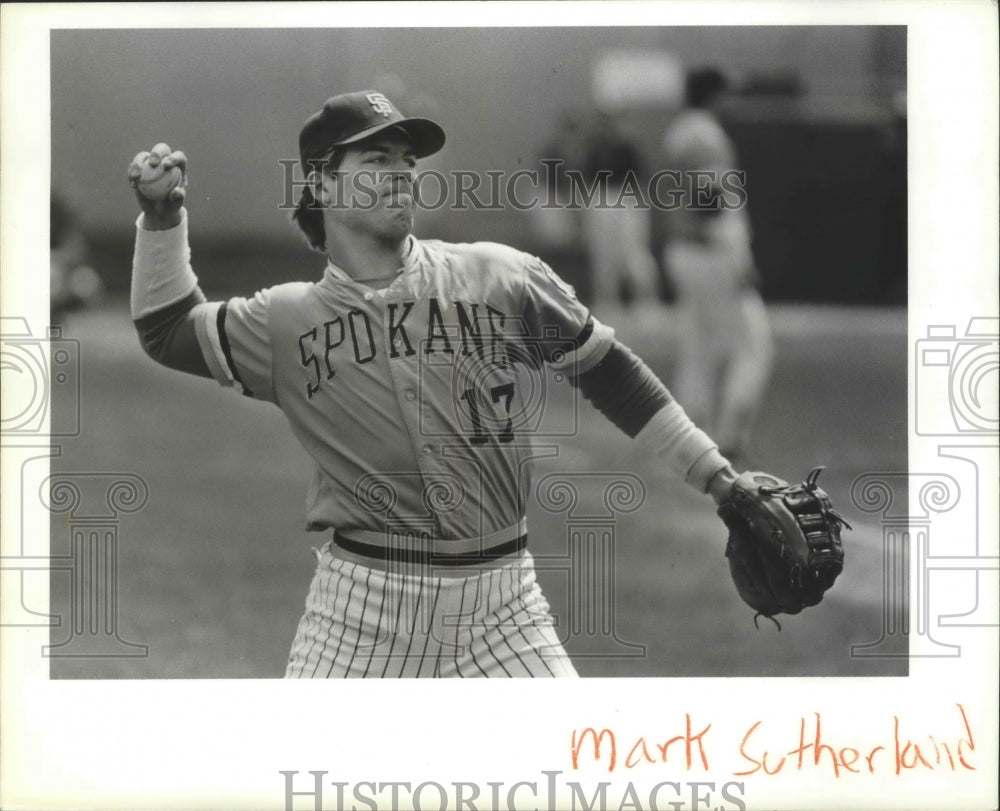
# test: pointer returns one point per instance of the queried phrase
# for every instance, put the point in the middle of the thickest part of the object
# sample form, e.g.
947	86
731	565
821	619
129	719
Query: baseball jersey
695	140
412	400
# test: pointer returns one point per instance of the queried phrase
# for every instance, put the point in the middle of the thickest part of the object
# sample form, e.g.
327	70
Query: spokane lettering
396	331
436	329
351	337
469	328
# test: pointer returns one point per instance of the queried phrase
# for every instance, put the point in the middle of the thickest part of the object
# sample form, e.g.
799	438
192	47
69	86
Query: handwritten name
687	743
901	754
688	749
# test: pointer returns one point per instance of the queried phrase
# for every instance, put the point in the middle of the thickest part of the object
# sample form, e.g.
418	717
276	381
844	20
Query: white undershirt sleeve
161	268
673	439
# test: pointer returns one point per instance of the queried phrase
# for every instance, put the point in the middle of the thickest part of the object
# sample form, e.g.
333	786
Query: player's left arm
623	388
784	546
619	384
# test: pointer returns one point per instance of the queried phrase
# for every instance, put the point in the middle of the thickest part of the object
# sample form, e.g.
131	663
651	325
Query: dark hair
703	85
308	214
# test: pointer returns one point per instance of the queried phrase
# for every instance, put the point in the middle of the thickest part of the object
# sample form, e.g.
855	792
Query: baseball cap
352	117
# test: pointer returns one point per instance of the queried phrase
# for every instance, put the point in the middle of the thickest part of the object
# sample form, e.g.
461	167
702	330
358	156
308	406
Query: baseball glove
784	545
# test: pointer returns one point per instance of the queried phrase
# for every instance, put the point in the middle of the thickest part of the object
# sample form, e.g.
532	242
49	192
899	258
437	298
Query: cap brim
426	136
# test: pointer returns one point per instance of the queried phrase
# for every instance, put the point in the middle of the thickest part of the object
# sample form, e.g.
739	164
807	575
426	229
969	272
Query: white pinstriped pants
365	622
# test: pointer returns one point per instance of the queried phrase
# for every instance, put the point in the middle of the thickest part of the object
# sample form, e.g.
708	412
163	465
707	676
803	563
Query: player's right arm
178	328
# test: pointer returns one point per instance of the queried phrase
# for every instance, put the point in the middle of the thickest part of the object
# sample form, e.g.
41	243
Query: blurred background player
554	223
616	223
726	351
72	282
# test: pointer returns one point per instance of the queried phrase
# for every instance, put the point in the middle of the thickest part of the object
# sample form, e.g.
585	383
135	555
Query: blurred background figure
726	351
616	222
554	224
73	283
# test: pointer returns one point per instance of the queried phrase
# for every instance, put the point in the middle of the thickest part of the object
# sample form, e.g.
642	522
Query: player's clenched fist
159	178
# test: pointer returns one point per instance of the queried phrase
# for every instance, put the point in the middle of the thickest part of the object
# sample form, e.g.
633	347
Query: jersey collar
411	256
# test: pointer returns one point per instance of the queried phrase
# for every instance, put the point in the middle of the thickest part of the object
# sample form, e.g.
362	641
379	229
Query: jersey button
369	295
428	450
411	395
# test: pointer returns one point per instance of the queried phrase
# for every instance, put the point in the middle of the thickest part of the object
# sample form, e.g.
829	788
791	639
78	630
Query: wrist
721	483
155	221
685	449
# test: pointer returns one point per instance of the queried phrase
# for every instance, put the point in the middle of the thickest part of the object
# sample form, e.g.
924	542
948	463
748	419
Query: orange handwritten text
899	754
604	746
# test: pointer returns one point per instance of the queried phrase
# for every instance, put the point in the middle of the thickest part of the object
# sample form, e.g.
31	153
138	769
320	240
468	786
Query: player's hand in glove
159	189
784	546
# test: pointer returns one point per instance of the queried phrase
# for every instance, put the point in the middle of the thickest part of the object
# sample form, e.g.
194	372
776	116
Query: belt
423	557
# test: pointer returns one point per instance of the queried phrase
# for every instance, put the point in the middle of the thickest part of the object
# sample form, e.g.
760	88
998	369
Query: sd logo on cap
352	117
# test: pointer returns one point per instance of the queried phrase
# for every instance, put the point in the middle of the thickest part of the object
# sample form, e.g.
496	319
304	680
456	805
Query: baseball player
616	231
726	350
399	372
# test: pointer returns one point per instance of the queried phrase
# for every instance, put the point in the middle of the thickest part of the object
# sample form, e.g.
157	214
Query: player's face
371	192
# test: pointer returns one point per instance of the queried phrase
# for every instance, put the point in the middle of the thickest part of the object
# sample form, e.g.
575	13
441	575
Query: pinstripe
524	636
344	574
423	655
473	622
534	650
503	610
458	628
413	626
293	654
304	636
486	629
324	588
361	623
395	627
504	636
376	638
343	627
498	576
295	660
318	596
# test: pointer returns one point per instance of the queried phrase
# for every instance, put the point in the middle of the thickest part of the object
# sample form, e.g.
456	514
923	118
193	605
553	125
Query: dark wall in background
828	206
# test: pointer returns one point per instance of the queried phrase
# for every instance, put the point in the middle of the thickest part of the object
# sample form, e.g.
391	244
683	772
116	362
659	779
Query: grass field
213	571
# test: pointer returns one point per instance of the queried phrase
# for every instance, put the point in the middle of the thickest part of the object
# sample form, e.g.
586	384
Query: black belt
422	558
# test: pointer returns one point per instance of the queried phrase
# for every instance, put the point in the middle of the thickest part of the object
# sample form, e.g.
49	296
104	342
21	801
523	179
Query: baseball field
213	570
